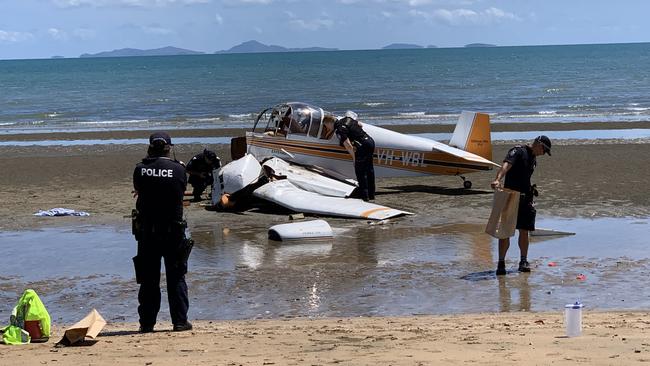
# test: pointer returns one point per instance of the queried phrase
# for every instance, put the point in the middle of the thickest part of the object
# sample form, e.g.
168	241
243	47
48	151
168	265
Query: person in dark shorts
362	148
518	167
200	169
159	184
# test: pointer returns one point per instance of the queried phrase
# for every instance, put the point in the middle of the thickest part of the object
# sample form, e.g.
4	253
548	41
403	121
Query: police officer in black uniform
200	169
159	228
362	147
518	167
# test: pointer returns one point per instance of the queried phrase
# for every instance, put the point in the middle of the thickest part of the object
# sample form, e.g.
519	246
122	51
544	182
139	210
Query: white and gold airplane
303	134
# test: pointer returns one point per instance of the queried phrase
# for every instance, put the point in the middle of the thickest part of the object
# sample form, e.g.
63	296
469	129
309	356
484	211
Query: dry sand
580	179
484	339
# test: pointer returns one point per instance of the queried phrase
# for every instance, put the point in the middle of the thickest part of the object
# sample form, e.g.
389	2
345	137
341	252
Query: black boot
501	268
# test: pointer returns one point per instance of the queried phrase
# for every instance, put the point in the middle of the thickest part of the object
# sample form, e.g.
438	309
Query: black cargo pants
364	168
152	247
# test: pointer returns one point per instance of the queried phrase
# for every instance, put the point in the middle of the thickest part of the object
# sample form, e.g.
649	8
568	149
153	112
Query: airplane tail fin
472	134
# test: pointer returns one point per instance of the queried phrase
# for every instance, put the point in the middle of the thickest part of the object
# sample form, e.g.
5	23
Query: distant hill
432	46
476	45
130	52
401	46
57	57
257	47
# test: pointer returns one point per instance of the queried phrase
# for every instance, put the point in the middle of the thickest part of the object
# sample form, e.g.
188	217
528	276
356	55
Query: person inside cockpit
328	127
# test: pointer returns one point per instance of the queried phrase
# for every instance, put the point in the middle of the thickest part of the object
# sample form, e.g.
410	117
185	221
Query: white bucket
573	319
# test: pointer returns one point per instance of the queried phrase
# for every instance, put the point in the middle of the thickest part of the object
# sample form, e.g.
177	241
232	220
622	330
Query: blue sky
43	28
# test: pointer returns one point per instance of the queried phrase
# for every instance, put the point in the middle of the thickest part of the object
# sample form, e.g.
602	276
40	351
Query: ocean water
513	84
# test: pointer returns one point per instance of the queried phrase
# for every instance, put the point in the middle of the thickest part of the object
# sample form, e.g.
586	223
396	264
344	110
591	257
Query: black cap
546	143
160	136
210	155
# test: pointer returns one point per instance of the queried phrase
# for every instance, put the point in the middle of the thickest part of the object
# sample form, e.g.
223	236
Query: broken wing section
306	179
285	194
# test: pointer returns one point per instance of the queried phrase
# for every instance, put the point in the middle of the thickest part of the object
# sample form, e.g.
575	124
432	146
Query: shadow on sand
117	333
484	275
445	191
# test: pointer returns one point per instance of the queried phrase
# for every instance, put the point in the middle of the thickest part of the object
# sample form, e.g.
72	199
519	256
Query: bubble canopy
295	118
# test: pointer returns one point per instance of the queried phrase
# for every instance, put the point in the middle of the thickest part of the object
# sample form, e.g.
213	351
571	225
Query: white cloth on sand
61	212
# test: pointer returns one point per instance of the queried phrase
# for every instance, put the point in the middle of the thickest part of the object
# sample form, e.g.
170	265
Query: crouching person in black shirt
362	147
159	228
200	169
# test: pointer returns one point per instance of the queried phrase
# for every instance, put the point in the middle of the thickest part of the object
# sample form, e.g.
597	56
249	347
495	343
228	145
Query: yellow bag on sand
503	219
29	314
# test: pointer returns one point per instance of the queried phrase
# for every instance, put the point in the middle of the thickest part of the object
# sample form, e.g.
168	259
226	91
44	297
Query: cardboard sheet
88	327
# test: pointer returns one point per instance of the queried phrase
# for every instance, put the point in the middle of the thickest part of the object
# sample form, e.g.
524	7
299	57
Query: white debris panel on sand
314	229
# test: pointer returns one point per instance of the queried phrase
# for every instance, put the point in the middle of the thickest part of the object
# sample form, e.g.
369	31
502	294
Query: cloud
457	17
312	24
218	18
134	3
14	37
248	2
58	34
74	3
83	34
411	3
418	2
157	30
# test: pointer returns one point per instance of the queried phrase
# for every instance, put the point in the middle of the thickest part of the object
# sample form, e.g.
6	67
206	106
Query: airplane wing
284	193
309	180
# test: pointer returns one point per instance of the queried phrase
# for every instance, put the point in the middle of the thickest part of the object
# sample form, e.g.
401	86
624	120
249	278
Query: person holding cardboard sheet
517	169
159	229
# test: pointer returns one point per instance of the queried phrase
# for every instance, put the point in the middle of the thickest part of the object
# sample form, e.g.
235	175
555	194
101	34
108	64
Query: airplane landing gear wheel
466	183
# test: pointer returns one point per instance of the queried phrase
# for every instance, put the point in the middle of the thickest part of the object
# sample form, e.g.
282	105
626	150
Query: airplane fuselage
395	154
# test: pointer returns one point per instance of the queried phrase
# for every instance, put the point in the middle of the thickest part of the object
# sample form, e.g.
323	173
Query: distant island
252	46
57	57
131	52
476	45
258	47
401	46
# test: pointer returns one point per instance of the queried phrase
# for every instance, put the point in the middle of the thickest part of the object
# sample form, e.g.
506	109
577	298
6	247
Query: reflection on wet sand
391	269
520	286
367	245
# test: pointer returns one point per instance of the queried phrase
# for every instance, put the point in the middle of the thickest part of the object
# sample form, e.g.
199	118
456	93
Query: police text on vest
149	172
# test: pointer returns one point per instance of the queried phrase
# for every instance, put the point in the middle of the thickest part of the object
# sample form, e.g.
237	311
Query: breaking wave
412	114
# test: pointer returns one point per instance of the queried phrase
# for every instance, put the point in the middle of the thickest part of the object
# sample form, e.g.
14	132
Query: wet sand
580	180
585	180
